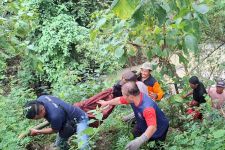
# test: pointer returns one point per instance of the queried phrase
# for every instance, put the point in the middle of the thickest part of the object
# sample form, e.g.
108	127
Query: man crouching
65	119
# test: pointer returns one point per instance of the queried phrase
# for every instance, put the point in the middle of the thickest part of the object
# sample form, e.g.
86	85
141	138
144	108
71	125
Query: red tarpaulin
91	104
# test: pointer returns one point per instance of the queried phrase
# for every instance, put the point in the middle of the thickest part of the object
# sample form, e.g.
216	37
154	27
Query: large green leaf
202	8
176	99
219	133
89	131
160	14
171	41
99	116
119	26
100	23
124	9
204	20
191	43
156	50
187	25
119	51
139	14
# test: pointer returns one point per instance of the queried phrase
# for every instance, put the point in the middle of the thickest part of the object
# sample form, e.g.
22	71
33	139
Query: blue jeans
82	138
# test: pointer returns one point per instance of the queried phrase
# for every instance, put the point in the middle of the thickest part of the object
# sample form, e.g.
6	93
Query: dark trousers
136	132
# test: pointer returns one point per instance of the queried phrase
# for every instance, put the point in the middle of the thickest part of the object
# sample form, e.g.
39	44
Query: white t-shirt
218	100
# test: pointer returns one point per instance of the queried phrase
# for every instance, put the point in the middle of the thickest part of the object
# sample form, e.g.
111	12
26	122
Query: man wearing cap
117	92
217	95
198	92
65	119
151	125
128	76
154	89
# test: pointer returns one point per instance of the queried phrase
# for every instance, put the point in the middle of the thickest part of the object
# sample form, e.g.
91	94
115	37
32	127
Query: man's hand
193	103
103	103
183	96
34	132
136	143
153	95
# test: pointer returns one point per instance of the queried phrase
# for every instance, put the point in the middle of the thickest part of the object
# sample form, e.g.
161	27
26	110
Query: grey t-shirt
142	87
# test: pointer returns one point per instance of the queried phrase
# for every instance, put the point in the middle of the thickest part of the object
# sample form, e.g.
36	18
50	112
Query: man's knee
61	143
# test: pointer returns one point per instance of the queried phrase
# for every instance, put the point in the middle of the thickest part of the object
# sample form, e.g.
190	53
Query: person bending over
151	124
65	119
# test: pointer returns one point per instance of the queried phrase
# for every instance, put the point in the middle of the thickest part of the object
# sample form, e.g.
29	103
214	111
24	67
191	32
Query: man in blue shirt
151	125
65	119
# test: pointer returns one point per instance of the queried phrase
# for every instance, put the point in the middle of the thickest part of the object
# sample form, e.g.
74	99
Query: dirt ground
105	140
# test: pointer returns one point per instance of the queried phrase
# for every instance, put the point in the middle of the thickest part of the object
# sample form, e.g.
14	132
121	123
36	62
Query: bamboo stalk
39	126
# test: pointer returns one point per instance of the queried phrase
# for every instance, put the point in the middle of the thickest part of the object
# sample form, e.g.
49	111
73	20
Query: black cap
194	80
31	109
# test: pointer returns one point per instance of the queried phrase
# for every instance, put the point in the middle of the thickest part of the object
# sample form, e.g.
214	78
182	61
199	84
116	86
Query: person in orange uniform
154	89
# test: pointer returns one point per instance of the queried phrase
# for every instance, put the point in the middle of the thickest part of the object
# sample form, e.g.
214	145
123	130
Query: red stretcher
91	104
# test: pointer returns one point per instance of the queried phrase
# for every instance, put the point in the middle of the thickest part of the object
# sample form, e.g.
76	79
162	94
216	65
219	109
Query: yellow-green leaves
93	34
124	9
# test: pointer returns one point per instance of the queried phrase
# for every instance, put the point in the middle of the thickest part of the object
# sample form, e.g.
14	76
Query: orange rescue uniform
154	87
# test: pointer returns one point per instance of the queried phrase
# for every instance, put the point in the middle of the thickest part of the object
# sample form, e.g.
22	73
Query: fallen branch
40	126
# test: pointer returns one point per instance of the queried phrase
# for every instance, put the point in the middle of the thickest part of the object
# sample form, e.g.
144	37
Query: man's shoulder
201	88
147	100
44	97
201	85
150	81
140	83
211	89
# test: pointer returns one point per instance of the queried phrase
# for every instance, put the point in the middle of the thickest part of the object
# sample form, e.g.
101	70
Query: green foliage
191	42
61	50
113	131
157	28
200	135
186	133
215	29
16	22
81	10
12	119
66	89
124	8
122	141
64	52
60	35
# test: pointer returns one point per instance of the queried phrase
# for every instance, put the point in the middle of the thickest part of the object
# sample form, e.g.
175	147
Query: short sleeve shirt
58	111
199	92
218	100
142	87
148	113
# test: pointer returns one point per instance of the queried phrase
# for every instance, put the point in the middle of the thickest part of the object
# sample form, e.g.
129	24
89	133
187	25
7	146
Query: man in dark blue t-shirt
64	119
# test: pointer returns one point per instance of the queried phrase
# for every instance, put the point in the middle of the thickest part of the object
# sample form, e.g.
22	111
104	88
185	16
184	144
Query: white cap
147	66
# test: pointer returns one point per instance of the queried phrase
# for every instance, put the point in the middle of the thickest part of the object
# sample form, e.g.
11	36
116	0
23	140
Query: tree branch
208	56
